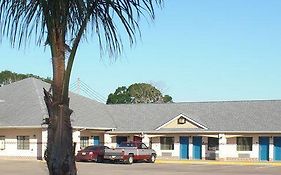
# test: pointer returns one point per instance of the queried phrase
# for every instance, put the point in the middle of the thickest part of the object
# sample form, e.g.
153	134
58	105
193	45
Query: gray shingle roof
22	104
89	113
263	115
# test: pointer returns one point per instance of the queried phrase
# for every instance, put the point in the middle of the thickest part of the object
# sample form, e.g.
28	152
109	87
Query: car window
125	144
143	146
99	147
89	148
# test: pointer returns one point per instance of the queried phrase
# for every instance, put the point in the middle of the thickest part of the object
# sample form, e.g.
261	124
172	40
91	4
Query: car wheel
99	159
152	158
130	159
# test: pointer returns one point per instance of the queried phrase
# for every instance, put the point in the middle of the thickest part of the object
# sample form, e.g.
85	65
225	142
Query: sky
195	50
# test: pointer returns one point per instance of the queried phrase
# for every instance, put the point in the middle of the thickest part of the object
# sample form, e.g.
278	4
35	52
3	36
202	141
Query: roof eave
196	132
21	127
95	128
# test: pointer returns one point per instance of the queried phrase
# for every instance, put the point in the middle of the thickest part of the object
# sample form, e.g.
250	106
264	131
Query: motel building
224	130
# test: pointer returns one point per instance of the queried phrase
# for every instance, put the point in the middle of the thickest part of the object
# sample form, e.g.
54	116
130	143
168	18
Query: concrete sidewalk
214	162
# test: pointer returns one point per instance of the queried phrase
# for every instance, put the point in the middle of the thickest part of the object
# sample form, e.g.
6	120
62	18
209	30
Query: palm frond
111	14
22	20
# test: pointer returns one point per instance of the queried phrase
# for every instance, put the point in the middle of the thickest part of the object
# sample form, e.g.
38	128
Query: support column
222	147
108	140
76	139
271	148
44	142
145	139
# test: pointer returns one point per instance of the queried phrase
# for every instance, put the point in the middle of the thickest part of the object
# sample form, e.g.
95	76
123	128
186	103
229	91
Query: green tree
61	25
7	77
167	99
145	93
120	96
138	93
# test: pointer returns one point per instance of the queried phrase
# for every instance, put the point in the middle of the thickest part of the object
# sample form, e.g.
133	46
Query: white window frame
23	142
84	141
245	145
2	143
165	145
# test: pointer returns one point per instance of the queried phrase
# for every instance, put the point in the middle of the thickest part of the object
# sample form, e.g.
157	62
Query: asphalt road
16	167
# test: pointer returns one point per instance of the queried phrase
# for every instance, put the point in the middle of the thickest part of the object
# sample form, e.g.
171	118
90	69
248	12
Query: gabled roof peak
191	122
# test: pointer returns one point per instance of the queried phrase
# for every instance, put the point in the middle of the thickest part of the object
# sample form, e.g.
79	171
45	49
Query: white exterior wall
156	145
174	153
271	148
227	147
44	141
146	140
205	152
227	144
35	140
108	141
232	153
76	139
231	148
113	144
90	134
222	152
190	148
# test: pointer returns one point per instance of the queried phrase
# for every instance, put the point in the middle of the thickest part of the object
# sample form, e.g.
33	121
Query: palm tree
61	25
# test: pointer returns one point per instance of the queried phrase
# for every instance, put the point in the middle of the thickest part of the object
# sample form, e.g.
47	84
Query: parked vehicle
129	152
91	153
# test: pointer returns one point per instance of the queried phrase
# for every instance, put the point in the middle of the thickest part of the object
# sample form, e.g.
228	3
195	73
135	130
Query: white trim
151	136
195	132
42	127
21	127
188	120
94	128
214	136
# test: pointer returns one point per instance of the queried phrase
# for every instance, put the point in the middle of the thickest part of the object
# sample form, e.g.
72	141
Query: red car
91	153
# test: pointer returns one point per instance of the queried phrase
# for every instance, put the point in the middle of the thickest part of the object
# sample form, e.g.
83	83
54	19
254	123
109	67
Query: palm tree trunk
60	149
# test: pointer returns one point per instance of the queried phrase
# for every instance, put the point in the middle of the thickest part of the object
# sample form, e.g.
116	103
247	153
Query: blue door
184	147
277	148
96	140
264	148
197	147
120	139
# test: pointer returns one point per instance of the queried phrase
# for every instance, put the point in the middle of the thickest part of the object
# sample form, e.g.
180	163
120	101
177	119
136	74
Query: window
142	146
181	120
213	143
127	144
167	143
23	142
2	142
244	143
84	141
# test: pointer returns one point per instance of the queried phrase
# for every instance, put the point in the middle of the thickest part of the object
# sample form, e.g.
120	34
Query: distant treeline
7	77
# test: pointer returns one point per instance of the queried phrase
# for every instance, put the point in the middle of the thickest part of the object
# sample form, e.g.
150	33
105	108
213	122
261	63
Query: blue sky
195	50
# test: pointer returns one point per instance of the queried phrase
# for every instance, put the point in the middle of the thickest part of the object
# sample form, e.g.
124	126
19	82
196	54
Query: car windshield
124	144
90	148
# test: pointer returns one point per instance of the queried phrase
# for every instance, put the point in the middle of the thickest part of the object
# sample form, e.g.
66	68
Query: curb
203	162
